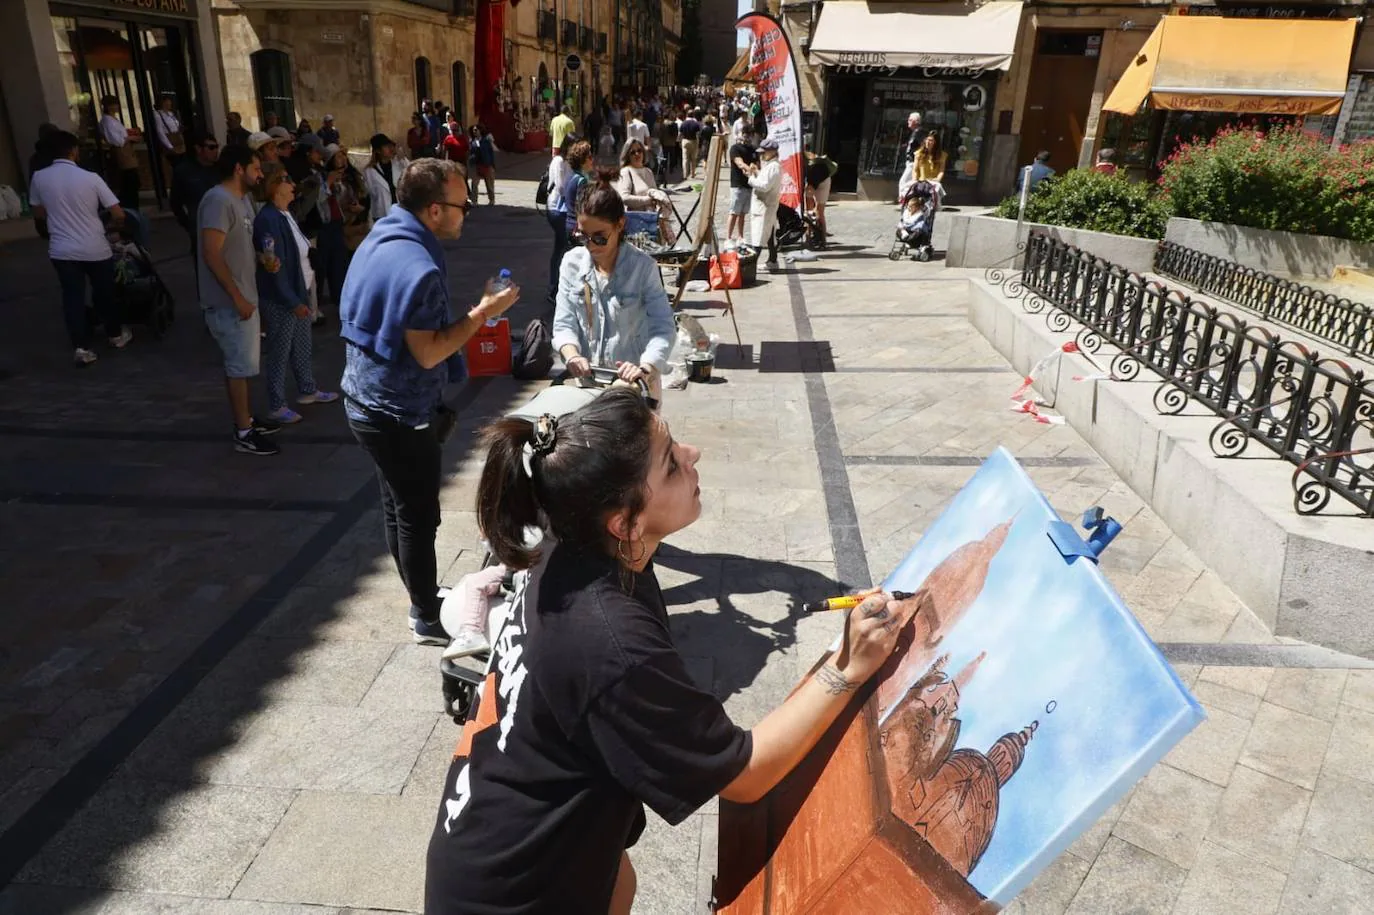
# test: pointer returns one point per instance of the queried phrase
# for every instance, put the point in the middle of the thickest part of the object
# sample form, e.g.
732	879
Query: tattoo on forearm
835	683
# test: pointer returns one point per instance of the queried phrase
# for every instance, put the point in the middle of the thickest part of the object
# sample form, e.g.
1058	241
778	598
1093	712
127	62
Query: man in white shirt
765	177
123	159
638	130
69	198
170	141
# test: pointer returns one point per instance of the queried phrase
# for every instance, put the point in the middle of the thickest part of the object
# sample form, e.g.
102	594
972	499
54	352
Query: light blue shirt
631	318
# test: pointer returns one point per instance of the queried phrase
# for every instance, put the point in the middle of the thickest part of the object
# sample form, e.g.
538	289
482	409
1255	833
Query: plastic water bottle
269	246
501	283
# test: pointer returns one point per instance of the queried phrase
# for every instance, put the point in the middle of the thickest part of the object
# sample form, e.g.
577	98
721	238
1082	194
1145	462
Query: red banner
774	73
489	65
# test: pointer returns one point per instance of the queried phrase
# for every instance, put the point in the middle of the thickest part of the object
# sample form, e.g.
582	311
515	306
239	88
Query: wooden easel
706	227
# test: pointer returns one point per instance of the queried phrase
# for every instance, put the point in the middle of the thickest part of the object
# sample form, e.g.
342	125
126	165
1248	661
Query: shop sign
932	66
182	9
1269	11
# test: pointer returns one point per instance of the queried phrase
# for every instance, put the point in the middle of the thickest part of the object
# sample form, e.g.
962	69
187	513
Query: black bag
541	193
535	358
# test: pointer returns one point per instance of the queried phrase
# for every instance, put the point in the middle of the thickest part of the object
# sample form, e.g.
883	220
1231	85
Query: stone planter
1280	253
987	241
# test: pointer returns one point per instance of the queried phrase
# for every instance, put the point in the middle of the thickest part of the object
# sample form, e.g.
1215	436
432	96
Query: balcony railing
569	33
465	7
1316	413
602	42
584	38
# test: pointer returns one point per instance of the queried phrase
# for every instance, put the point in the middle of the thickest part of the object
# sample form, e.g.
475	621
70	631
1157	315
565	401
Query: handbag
125	158
724	270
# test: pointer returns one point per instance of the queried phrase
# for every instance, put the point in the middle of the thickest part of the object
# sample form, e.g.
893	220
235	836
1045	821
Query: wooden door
1059	97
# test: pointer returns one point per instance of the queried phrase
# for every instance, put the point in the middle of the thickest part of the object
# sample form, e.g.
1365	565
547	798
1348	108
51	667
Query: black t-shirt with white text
587	713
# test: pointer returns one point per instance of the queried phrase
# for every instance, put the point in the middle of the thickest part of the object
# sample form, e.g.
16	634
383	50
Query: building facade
58	59
719	38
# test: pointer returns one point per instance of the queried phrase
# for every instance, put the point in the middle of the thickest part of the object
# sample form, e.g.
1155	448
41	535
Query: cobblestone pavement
210	702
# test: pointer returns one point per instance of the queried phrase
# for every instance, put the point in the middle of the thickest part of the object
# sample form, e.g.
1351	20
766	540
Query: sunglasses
465	206
600	239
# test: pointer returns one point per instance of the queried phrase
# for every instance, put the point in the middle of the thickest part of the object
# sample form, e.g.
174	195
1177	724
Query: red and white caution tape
1024	401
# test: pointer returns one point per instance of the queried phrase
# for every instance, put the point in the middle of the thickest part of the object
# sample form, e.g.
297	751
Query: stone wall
358	68
987	241
1281	253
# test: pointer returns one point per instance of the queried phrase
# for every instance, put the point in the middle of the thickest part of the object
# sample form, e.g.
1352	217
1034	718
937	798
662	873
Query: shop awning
1248	66
874	35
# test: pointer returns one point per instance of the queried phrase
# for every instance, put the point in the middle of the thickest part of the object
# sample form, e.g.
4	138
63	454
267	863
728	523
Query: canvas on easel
706	226
1023	701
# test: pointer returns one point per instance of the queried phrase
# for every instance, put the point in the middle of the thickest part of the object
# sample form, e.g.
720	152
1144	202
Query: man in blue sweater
402	346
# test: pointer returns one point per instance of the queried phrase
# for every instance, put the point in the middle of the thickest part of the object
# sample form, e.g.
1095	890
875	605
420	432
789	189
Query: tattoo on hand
835	683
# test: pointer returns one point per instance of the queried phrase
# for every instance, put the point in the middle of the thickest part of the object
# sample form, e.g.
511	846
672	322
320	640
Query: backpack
541	193
534	360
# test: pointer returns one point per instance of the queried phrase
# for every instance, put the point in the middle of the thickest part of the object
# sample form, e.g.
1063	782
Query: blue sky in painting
1057	633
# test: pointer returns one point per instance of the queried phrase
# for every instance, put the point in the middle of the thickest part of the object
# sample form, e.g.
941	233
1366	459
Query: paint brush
850	601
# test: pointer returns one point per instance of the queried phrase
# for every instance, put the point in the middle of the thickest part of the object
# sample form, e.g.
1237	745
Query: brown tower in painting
946	594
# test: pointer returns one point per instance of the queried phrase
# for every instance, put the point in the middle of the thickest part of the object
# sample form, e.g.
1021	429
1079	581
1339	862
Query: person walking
636	129
67	199
228	285
123	156
913	142
284	280
559	172
401	343
765	178
417	137
191	181
331	245
483	156
560	127
819	170
1036	172
689	130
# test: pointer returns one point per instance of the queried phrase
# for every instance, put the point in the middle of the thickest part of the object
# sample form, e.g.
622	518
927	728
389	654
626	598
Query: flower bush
1085	199
1285	180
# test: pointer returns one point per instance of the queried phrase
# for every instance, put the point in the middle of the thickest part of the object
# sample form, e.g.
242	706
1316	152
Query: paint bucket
699	366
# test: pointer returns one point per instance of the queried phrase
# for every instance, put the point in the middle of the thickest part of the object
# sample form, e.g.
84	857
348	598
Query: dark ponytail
597	463
600	200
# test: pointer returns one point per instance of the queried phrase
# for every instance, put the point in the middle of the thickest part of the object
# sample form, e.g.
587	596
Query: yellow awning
1248	66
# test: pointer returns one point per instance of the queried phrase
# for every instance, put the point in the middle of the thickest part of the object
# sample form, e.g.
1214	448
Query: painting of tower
942	789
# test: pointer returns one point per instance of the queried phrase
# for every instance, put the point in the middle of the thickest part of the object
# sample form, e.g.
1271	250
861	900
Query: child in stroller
140	295
916	223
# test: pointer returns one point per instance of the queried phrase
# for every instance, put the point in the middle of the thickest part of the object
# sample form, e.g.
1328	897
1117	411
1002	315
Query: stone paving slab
319	741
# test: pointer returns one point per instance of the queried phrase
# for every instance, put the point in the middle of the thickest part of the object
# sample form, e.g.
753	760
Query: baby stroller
462	671
795	230
140	295
915	224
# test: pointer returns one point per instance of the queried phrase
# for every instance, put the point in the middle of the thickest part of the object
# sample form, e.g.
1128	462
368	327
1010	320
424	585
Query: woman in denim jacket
612	309
284	280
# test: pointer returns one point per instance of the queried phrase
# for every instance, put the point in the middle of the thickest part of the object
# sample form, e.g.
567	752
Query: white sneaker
83	357
125	335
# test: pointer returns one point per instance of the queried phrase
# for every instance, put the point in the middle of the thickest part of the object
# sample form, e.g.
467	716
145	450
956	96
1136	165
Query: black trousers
407	462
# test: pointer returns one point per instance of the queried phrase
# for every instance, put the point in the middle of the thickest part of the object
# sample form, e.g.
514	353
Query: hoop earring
620	552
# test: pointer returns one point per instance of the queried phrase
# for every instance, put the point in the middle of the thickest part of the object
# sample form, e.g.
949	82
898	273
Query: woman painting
639	190
284	278
928	164
589	714
612	309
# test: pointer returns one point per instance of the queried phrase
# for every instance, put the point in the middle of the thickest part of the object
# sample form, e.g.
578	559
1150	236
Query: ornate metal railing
1315	412
1324	315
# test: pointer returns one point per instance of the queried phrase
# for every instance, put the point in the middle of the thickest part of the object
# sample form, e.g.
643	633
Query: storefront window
957	109
1130	137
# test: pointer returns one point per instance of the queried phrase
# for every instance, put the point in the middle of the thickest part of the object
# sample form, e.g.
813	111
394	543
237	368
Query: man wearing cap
327	134
382	171
765	177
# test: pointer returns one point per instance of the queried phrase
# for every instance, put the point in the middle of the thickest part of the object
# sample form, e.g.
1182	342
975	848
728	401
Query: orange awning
1248	66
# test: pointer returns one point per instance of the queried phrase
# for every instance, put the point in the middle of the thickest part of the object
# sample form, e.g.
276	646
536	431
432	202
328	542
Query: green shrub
1285	180
1085	199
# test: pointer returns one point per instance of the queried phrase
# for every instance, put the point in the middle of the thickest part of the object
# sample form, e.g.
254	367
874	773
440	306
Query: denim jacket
631	318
